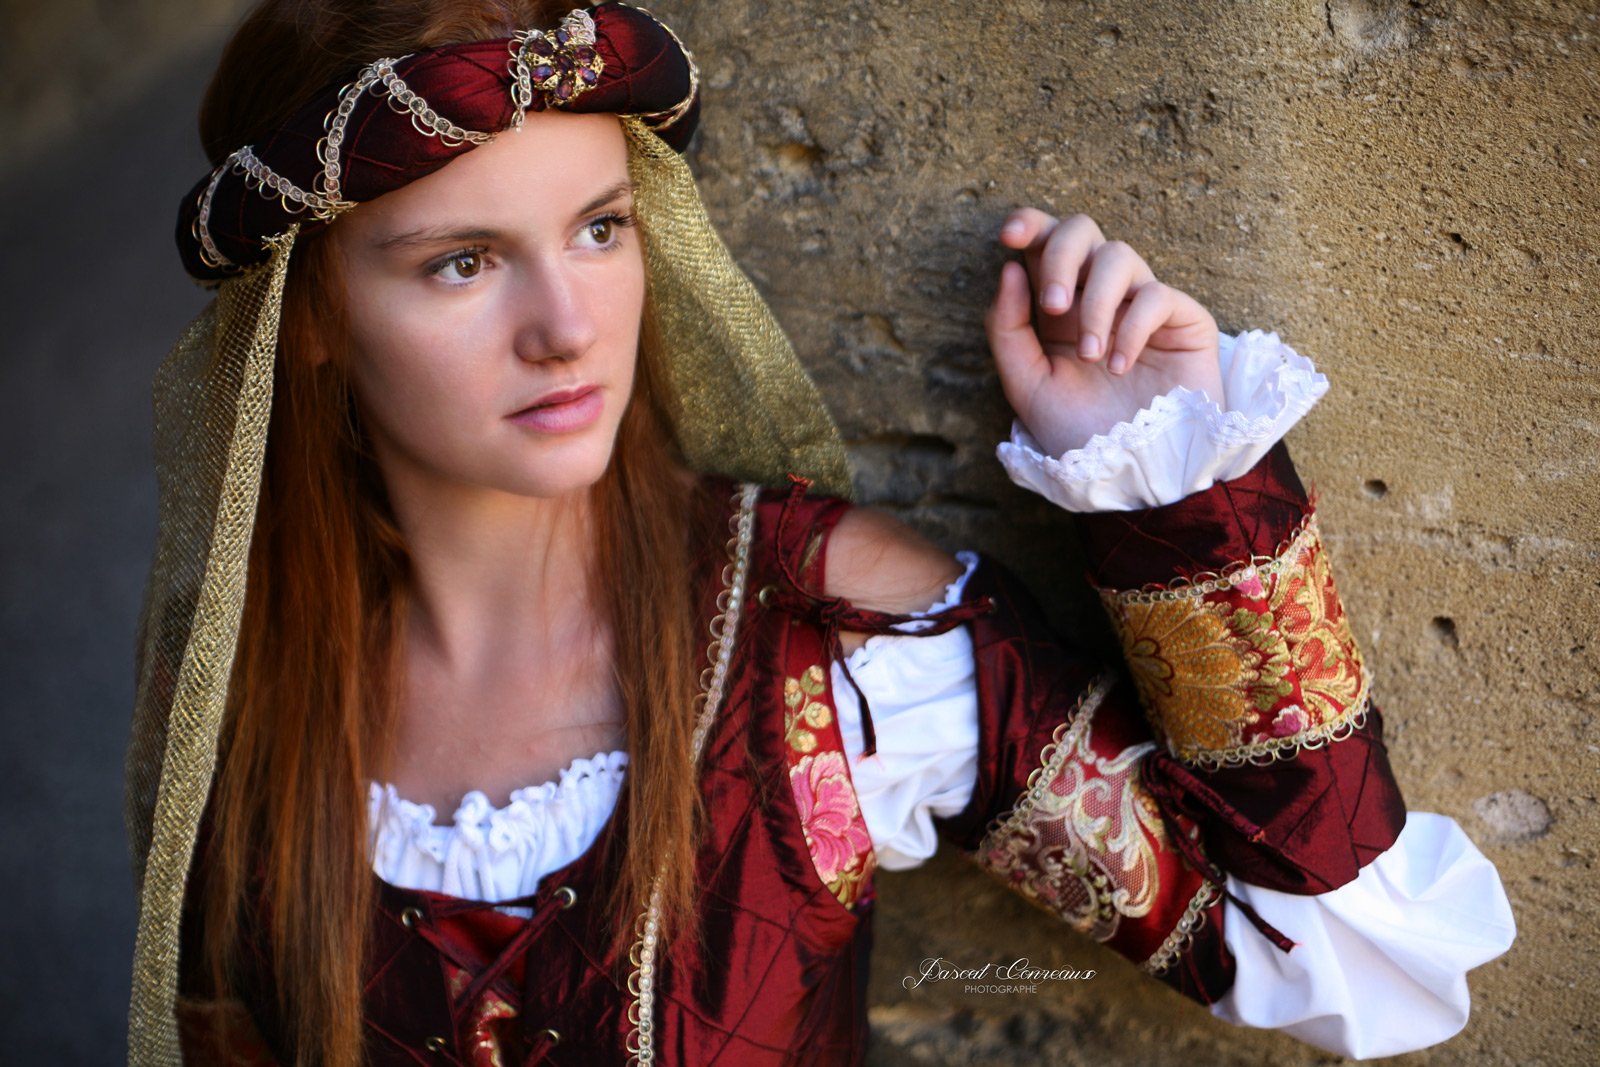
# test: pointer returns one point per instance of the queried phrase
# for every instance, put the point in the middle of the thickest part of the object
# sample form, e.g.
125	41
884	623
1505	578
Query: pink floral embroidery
1290	721
1248	582
834	830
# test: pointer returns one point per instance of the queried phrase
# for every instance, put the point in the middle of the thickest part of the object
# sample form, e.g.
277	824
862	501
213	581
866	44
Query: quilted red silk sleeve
1240	739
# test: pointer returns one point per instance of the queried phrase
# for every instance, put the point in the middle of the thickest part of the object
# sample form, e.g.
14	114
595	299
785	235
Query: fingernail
1012	229
1055	297
1119	362
1089	346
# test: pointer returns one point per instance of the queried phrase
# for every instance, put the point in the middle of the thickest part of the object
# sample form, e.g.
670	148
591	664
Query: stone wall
1405	191
63	62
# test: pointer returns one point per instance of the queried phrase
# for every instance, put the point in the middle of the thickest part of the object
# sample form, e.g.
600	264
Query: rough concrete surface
1405	191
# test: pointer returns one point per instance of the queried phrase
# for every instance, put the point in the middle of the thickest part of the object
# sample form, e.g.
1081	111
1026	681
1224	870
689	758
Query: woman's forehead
555	167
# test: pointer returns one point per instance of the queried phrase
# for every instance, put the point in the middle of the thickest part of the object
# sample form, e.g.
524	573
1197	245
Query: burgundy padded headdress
358	141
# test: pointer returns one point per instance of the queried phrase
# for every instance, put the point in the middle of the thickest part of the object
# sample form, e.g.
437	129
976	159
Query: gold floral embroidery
1326	658
1208	673
803	712
1249	666
836	836
1083	841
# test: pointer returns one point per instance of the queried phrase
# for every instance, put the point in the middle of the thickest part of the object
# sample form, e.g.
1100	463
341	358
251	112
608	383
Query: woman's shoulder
869	557
876	561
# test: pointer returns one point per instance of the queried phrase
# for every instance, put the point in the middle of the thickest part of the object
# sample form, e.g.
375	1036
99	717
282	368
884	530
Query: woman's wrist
1183	441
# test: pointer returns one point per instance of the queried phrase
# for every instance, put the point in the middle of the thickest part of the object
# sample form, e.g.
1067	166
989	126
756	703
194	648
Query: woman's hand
1084	336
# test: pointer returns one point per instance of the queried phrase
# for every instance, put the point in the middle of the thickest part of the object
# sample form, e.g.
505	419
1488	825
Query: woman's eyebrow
436	234
622	188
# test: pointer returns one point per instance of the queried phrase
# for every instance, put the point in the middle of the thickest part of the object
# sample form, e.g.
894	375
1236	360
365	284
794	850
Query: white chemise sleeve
1382	963
1380	966
925	715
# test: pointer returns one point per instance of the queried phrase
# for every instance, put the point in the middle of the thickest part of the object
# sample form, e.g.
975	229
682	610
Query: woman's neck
495	576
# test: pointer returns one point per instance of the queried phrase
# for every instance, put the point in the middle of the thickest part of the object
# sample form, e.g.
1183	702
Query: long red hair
313	697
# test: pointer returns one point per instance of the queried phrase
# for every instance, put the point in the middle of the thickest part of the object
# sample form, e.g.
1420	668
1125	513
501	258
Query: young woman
482	413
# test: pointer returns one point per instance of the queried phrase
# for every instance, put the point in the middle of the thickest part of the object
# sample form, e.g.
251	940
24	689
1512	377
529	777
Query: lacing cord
836	614
1172	784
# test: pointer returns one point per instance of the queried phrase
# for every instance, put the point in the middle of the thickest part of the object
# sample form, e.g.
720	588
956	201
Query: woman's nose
554	319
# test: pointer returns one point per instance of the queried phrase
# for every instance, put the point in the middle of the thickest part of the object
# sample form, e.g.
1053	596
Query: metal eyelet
410	917
552	1036
765	596
436	1044
567	895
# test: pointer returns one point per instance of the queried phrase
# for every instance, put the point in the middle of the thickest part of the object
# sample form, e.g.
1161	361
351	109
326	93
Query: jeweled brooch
553	68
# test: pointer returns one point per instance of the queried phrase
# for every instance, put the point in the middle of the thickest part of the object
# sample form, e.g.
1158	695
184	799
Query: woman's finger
1147	312
1114	268
1026	229
1060	268
1017	353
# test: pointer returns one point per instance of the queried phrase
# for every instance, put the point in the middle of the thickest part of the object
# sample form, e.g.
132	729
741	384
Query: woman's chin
564	475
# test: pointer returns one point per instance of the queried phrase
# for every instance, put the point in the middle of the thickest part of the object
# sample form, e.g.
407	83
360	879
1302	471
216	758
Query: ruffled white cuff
1184	441
1381	963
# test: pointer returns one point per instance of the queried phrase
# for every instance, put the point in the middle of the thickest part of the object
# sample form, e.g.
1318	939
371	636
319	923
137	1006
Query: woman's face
494	311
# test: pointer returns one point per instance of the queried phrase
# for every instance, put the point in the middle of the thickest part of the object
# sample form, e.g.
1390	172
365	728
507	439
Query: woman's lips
563	411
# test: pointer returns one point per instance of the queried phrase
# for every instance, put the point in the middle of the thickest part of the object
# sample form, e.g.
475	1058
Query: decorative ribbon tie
1171	784
836	614
463	1006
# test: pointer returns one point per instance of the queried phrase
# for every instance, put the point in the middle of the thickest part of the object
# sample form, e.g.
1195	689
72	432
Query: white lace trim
1183	441
490	853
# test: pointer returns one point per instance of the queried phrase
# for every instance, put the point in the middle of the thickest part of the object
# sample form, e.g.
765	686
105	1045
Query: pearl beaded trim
724	629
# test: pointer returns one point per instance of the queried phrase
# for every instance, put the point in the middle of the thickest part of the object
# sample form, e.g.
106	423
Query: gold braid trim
1265	753
1178	941
1052	756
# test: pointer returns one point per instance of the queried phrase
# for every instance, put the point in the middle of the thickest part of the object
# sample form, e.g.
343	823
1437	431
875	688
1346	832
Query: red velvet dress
1255	752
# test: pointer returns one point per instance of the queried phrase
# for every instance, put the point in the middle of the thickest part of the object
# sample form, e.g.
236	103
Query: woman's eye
461	266
603	233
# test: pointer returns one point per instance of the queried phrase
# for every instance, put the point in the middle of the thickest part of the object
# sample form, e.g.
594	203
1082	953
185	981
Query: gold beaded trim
1194	917
1054	754
660	120
270	183
334	123
713	680
1270	750
210	254
324	198
425	120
